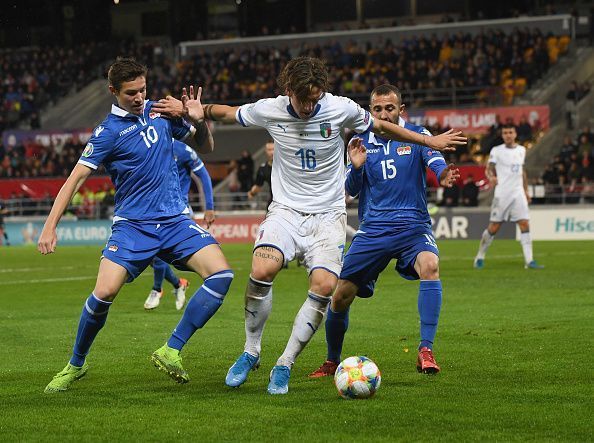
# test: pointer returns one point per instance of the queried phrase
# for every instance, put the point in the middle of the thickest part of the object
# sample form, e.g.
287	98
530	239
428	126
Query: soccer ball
357	377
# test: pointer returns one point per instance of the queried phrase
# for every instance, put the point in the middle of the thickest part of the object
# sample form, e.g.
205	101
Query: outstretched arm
446	142
48	238
173	108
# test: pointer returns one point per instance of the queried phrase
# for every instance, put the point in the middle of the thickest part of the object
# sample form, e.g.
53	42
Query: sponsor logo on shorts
88	150
113	248
403	150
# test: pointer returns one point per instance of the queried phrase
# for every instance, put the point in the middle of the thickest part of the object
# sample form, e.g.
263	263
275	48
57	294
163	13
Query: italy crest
325	129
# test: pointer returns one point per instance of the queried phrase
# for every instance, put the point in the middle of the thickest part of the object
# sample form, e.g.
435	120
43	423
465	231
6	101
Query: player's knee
341	300
324	288
106	292
263	273
219	283
429	268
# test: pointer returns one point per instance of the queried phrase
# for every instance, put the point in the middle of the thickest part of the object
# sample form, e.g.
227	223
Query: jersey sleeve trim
198	168
239	118
88	164
435	159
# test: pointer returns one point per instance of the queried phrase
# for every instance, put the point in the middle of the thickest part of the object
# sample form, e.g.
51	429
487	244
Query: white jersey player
506	172
307	216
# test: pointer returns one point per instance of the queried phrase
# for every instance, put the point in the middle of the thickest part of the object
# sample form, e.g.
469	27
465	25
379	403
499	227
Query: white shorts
509	209
317	239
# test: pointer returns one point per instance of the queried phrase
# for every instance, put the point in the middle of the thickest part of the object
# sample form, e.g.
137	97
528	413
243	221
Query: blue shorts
133	244
371	251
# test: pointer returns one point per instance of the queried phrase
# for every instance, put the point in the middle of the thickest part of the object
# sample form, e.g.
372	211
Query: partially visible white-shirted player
307	216
506	172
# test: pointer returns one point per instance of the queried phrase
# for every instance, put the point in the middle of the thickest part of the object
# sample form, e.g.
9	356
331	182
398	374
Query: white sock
258	303
306	323
526	242
486	241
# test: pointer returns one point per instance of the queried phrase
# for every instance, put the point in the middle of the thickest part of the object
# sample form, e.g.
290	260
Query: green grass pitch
514	346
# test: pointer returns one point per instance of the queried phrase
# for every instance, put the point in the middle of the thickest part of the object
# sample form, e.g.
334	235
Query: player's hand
357	152
447	141
192	107
46	244
493	180
169	107
528	198
250	195
449	176
209	217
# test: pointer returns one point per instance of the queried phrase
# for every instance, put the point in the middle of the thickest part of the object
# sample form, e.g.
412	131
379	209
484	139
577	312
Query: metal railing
229	202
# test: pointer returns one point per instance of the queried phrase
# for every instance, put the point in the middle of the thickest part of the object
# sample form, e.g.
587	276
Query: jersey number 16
308	158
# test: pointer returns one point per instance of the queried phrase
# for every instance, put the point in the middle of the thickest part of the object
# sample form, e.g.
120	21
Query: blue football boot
279	380
238	373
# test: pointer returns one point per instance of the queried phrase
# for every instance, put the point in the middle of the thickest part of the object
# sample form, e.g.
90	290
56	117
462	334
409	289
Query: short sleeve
431	156
493	156
253	114
99	146
179	128
357	118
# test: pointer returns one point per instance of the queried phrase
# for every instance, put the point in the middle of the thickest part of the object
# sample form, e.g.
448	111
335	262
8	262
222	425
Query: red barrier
479	120
241	229
38	187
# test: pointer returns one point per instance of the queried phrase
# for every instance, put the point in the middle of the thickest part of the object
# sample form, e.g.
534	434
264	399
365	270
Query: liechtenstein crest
325	129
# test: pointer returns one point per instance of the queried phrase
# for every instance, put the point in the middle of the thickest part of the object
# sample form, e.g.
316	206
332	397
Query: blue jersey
137	152
187	162
392	183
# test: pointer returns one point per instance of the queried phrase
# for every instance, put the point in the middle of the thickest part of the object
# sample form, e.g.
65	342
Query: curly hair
125	69
302	74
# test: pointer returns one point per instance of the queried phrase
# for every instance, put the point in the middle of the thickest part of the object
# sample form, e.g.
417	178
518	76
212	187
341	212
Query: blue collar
293	113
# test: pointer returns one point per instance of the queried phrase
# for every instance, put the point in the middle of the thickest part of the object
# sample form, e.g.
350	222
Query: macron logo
99	130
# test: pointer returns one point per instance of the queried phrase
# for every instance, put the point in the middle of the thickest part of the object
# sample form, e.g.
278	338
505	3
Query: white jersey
308	167
509	165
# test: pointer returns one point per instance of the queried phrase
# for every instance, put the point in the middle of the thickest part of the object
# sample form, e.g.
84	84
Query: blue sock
429	307
171	277
337	324
201	307
160	268
92	319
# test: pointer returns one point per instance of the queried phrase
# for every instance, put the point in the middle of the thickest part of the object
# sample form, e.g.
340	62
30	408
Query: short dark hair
125	69
386	89
302	74
508	126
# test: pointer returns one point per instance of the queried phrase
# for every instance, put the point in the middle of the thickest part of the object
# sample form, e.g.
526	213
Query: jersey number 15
388	168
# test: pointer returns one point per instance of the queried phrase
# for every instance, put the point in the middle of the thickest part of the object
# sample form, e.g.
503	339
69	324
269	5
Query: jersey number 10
151	136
